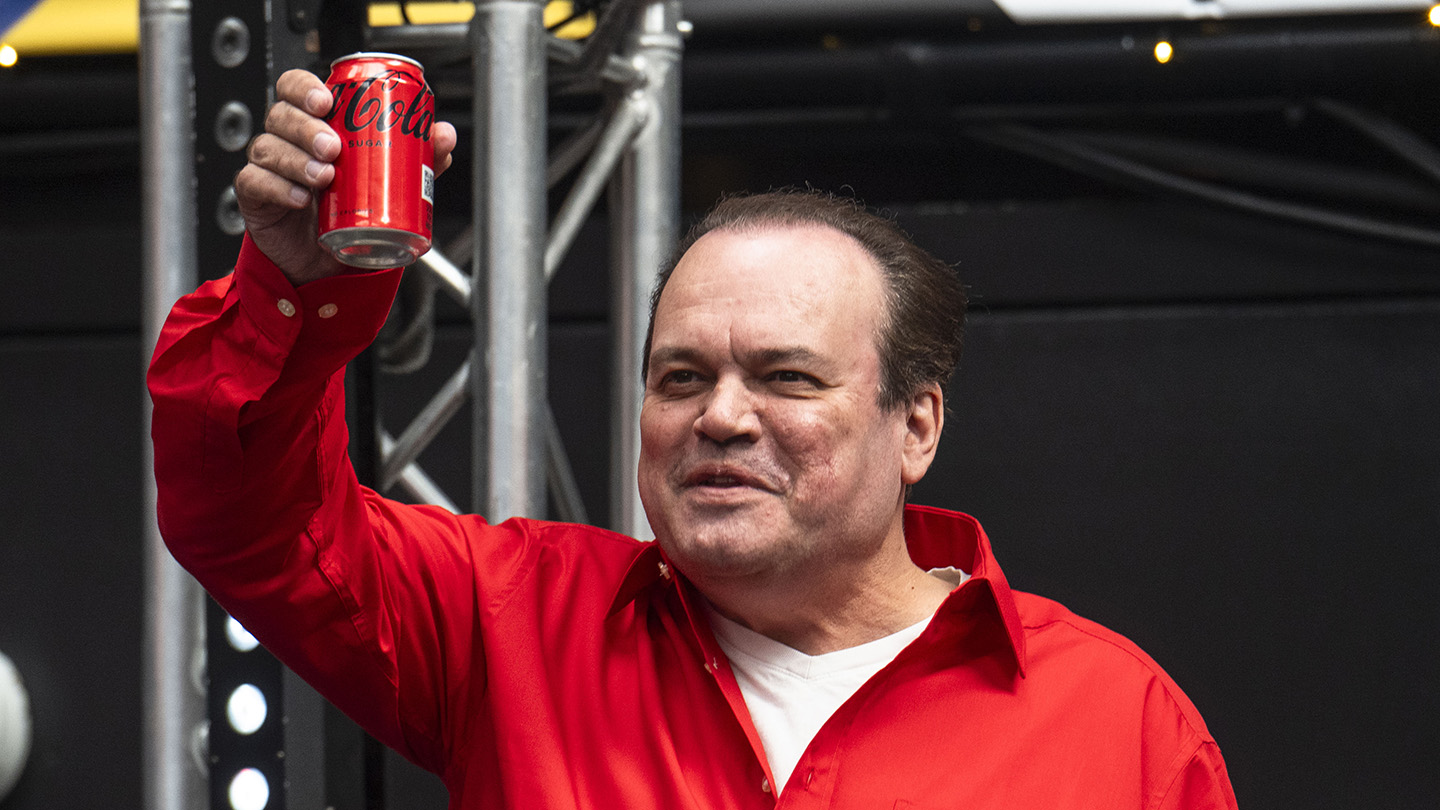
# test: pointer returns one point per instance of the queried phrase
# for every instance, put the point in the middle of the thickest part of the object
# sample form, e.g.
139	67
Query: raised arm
256	495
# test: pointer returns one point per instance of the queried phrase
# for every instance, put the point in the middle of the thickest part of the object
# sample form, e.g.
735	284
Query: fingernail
313	169
325	142
299	195
315	100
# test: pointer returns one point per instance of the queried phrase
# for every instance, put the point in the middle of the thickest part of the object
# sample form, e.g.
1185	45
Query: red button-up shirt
536	664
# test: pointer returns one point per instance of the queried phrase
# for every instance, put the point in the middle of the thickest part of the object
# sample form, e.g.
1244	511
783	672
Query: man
796	636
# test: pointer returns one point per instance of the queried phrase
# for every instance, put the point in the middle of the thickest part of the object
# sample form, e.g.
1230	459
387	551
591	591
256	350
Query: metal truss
206	74
633	148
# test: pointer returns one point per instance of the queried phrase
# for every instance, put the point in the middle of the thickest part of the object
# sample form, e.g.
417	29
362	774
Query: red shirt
539	664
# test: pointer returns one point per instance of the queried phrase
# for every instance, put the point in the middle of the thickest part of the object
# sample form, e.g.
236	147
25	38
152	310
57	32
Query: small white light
249	790
1163	51
8	56
1435	15
246	709
239	637
14	726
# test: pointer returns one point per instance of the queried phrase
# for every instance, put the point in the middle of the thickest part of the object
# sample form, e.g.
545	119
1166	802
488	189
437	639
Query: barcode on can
427	184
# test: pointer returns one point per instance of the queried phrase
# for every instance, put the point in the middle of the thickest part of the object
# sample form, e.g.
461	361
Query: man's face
763	446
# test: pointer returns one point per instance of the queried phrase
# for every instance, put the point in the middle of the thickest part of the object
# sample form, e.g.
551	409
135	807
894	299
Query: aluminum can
379	210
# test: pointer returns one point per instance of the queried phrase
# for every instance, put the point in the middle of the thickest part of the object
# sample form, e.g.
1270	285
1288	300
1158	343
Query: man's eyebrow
764	357
673	354
783	355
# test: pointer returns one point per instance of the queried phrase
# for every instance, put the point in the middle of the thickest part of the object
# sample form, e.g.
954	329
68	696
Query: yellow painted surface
58	27
421	13
69	27
434	13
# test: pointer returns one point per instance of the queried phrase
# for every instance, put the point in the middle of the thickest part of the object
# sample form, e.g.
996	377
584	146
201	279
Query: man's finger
305	91
282	158
304	130
444	140
256	188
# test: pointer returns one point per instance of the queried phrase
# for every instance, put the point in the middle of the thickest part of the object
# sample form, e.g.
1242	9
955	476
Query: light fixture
238	636
14	727
249	790
8	56
246	709
1435	15
1163	51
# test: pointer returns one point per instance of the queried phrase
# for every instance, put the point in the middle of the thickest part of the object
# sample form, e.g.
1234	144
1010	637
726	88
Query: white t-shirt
790	695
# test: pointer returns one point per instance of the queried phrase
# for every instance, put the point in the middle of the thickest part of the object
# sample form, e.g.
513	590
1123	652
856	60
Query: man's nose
729	413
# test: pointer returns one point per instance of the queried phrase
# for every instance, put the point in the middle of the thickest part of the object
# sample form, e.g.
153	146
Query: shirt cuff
326	321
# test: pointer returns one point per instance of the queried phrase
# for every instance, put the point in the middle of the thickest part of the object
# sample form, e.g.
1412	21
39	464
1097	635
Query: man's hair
922	332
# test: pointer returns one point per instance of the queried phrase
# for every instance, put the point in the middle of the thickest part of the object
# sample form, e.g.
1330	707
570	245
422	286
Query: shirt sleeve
1201	784
369	600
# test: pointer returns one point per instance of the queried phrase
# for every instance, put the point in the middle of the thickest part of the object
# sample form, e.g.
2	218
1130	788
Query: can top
376	55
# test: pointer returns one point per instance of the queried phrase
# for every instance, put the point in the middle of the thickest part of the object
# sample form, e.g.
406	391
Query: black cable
1397	139
1236	166
1093	162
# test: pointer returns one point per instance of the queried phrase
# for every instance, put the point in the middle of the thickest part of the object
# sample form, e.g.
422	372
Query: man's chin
718	553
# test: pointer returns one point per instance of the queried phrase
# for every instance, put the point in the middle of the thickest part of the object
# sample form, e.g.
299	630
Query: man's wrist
323	267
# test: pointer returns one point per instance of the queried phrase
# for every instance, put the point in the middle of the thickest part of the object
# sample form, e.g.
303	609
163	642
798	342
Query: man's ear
926	418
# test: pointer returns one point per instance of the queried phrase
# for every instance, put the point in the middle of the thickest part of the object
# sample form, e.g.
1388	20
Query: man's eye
789	377
679	377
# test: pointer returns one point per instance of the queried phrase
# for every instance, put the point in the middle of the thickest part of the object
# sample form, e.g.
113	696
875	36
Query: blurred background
1202	246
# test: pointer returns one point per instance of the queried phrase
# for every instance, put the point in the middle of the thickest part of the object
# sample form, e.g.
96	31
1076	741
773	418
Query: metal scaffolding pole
174	700
646	202
508	305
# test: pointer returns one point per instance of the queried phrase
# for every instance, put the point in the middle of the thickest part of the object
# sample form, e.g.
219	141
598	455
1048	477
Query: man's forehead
773	257
774	289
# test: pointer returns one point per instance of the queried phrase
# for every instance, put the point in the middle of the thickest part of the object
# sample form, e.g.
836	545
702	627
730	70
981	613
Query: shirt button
664	569
810	776
765	785
328	311
286	308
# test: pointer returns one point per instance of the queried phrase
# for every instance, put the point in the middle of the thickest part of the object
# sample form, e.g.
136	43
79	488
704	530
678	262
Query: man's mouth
723	478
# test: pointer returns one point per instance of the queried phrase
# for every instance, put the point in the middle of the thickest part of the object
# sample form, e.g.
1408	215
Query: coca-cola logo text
372	104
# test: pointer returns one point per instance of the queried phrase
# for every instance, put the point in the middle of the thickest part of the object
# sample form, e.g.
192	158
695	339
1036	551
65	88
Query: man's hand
290	163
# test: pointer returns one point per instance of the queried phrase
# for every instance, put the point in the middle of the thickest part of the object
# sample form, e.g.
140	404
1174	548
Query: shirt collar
648	567
937	538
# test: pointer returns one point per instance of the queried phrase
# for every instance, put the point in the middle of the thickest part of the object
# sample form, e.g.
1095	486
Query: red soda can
379	209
